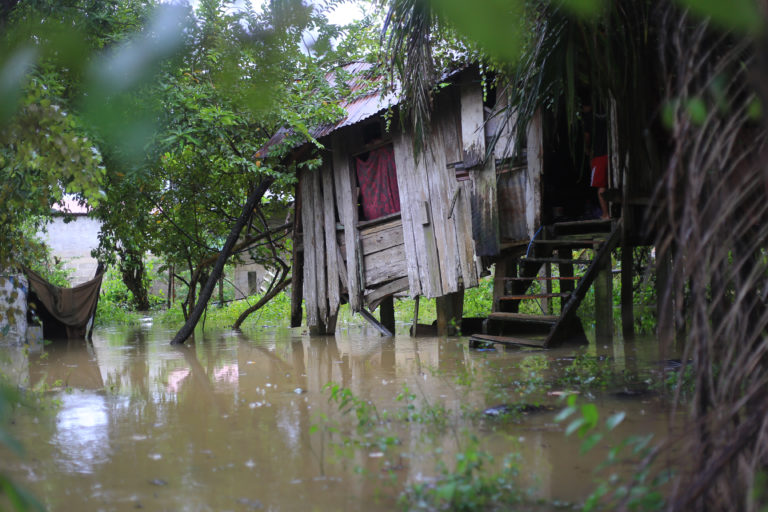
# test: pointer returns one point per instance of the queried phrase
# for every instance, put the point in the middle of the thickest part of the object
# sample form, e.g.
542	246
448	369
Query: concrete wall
248	279
72	243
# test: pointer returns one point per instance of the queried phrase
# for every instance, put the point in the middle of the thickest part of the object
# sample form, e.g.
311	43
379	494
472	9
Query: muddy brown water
244	422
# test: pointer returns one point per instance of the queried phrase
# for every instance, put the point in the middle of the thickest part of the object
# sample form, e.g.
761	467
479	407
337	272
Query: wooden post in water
566	270
499	282
547	303
604	305
415	315
627	299
387	313
664	303
449	308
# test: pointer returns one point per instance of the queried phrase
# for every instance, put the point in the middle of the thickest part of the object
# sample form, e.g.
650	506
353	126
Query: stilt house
377	219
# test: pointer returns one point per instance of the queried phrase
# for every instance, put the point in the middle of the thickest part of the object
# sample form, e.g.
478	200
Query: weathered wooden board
381	237
331	250
385	265
419	240
485	216
512	218
534	173
297	265
373	297
499	127
461	214
310	261
319	226
440	194
346	201
472	122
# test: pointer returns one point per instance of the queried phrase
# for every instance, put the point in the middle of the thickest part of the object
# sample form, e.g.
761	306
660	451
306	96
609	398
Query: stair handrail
528	250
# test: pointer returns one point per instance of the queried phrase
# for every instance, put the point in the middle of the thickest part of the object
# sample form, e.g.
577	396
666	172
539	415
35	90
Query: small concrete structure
72	235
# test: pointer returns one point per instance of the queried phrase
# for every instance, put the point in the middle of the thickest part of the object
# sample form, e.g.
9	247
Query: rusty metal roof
361	77
366	104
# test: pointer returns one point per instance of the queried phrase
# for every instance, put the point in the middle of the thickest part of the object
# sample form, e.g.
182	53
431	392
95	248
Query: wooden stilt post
566	270
499	282
449	308
387	313
627	300
604	305
547	303
664	302
415	315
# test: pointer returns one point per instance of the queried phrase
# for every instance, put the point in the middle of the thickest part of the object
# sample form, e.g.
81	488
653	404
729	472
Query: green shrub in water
469	486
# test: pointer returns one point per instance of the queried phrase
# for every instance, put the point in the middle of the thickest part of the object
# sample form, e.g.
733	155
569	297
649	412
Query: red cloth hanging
378	183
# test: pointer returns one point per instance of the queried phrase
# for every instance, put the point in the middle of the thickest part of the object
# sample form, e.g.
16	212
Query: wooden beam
375	323
374	297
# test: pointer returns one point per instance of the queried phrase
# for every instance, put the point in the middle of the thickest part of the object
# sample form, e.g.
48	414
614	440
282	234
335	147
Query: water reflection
234	420
82	433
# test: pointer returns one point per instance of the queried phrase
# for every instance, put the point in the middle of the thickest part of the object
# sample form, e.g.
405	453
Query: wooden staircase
507	326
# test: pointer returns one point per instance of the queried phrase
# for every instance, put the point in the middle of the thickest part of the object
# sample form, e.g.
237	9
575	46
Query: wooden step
583	223
565	242
521	317
480	339
534	296
559	261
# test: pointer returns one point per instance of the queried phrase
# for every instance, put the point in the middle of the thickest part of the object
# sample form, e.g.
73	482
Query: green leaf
565	413
497	25
590	442
697	110
574	426
614	420
590	415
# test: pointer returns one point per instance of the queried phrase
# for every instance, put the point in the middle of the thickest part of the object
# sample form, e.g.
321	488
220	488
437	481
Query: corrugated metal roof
363	77
360	77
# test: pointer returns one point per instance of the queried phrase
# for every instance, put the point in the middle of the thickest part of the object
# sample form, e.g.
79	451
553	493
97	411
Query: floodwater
244	422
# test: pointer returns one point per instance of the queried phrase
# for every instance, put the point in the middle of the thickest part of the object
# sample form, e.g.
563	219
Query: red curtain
378	183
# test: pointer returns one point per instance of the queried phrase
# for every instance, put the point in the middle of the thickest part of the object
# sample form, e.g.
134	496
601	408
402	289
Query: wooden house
377	219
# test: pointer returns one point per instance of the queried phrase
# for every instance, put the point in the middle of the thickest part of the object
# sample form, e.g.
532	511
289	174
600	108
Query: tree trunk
189	326
133	271
265	299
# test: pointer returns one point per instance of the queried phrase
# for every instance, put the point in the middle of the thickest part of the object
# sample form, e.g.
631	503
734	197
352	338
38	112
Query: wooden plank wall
511	190
438	240
534	173
383	251
346	202
482	171
321	267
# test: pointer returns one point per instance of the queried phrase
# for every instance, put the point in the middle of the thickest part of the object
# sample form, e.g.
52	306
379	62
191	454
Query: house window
377	177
